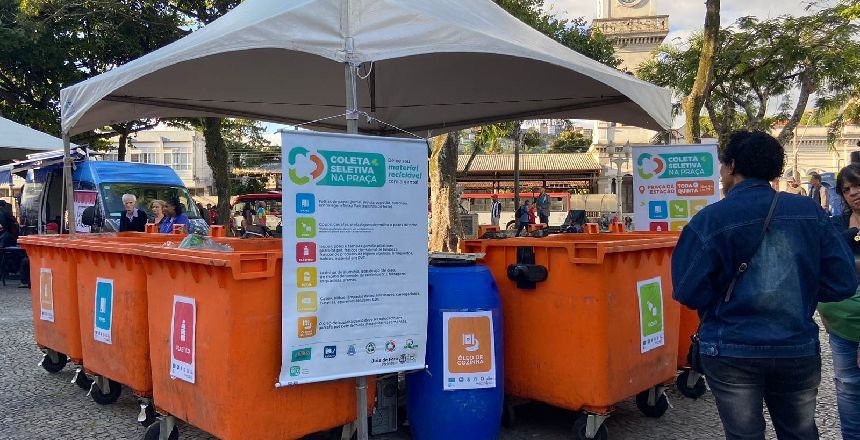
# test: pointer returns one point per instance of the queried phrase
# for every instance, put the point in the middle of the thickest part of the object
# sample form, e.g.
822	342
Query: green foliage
247	185
574	34
570	142
247	146
46	45
760	59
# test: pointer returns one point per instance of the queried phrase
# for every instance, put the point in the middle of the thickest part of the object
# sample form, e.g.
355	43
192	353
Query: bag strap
743	267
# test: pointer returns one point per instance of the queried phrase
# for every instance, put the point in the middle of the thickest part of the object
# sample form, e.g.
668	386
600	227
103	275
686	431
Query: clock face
629	3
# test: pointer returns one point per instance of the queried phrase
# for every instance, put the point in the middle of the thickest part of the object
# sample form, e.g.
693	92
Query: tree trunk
692	104
120	151
807	87
445	226
216	157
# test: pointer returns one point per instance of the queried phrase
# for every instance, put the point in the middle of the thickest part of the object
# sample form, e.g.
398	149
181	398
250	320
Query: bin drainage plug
527	275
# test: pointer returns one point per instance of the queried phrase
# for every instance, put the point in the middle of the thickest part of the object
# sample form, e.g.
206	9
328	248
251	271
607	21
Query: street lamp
618	156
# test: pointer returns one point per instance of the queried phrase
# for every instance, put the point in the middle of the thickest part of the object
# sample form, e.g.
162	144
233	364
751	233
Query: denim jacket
802	261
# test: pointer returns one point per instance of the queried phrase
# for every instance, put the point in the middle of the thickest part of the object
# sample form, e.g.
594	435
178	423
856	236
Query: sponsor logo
351	350
370	348
295	371
302	354
329	351
390	346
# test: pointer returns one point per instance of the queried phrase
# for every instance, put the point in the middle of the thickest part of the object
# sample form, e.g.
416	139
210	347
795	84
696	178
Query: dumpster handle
575	252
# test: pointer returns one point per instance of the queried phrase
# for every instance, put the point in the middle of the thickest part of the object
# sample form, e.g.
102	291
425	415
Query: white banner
355	256
468	350
83	200
673	183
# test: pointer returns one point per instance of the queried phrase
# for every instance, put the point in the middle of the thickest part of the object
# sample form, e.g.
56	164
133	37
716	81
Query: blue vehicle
101	182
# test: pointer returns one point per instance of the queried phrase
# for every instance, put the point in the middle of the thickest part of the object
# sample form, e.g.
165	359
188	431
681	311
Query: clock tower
634	26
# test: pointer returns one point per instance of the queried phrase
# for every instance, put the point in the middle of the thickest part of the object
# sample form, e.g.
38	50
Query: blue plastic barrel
440	408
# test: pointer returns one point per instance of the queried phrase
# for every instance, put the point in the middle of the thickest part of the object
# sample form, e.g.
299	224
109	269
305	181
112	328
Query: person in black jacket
133	219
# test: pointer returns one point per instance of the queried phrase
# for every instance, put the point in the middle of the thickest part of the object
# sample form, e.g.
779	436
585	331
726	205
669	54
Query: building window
178	160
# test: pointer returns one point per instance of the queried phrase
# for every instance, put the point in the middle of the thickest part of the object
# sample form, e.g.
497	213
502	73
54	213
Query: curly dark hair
177	205
848	175
755	154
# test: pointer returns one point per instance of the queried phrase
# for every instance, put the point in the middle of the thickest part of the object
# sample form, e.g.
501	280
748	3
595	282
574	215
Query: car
273	206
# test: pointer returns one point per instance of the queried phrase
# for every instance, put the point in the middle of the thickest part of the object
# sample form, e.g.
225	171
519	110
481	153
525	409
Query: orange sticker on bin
469	344
694	188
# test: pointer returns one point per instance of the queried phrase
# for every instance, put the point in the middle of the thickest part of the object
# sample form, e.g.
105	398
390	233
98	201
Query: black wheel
53	367
657	410
512	225
579	430
106	398
155	429
337	433
148	415
508	415
694	392
82	380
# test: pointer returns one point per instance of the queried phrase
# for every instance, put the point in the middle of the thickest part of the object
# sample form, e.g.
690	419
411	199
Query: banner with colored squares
672	183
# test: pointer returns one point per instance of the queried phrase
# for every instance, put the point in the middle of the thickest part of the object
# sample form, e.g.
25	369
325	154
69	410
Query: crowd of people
526	214
756	266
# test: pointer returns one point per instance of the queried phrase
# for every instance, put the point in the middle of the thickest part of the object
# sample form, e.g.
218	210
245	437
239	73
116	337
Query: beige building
810	152
637	30
182	150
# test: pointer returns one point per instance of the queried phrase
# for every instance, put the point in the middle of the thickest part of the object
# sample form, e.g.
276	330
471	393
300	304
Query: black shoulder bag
694	357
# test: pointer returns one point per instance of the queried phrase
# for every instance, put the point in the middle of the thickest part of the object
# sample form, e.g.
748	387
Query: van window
112	197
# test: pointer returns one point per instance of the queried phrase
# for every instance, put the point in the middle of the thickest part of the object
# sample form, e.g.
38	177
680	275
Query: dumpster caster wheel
53	362
105	391
653	402
154	431
509	418
580	428
693	391
338	433
81	380
147	415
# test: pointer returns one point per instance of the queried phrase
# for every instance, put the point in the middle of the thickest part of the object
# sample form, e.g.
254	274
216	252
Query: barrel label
469	348
46	295
652	334
103	312
183	338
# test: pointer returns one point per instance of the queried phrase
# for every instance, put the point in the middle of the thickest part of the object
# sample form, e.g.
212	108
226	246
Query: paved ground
38	405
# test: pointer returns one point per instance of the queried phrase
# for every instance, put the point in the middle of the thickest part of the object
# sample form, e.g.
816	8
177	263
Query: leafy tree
694	101
46	45
760	59
570	141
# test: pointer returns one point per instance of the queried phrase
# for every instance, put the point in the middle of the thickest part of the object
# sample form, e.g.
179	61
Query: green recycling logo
338	168
293	173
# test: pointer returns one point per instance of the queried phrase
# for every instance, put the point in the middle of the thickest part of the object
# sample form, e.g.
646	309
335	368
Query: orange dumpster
56	320
55	303
215	346
111	287
582	327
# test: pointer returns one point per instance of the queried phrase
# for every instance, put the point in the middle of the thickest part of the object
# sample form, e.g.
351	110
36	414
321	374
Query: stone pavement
37	405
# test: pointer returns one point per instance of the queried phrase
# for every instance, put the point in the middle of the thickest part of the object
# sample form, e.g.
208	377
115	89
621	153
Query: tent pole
517	174
352	128
68	187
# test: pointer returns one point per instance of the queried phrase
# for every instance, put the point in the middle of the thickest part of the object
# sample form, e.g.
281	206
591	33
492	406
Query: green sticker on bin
651	308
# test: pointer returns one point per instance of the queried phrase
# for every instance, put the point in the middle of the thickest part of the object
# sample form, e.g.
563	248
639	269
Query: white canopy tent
17	141
430	66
